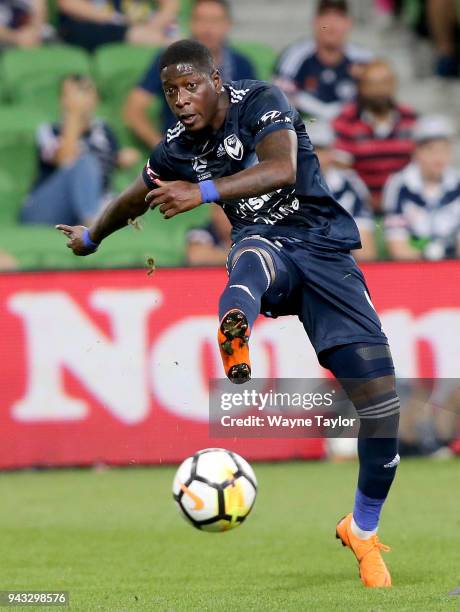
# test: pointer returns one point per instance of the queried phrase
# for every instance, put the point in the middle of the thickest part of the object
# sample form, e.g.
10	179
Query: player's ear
217	80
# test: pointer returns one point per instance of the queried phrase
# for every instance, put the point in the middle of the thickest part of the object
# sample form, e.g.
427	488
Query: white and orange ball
215	489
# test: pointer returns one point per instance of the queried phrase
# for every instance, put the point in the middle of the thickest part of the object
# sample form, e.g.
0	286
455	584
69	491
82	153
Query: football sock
248	281
378	460
362	534
367	374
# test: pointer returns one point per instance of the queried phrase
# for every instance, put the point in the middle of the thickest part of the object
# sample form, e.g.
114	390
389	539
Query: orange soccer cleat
233	338
372	569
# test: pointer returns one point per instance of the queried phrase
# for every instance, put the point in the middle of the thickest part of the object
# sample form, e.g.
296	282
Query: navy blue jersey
234	67
99	139
306	210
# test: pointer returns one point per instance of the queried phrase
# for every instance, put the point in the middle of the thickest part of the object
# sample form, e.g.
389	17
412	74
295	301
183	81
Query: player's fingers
67	229
149	197
156	196
171	212
165	206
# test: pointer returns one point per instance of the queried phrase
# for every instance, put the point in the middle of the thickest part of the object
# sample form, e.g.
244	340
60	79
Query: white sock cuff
361	533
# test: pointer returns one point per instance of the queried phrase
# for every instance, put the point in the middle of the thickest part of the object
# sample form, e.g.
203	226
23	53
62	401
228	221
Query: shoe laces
379	545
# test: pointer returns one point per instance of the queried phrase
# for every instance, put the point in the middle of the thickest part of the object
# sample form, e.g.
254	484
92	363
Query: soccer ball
215	489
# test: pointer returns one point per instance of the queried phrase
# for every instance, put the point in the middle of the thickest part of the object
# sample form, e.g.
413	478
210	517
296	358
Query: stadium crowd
392	168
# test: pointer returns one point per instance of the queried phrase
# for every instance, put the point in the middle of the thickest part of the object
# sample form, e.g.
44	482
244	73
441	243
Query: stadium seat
38	247
262	56
32	76
118	67
18	125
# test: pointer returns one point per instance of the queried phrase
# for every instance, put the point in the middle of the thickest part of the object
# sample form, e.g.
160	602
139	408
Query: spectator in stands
346	186
443	23
319	76
210	25
374	135
422	202
77	157
209	245
22	22
91	23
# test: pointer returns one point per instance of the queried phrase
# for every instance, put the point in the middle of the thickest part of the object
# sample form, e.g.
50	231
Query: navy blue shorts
324	288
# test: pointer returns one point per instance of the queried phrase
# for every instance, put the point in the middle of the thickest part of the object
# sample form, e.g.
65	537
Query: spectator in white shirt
422	202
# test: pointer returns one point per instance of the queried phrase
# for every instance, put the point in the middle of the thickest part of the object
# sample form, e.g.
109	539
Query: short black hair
188	52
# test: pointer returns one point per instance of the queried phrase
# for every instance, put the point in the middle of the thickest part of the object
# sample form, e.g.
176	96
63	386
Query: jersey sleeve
267	110
159	166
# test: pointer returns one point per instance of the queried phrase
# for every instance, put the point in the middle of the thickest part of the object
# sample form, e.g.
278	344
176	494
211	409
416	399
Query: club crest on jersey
234	147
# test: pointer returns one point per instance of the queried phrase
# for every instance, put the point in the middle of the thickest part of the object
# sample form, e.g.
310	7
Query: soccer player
242	144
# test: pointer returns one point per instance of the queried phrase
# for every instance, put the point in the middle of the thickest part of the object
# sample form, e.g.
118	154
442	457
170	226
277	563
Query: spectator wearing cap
210	245
210	25
319	76
422	202
374	134
346	187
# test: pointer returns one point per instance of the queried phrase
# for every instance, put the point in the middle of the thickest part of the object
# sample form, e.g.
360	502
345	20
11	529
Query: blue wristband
87	242
209	191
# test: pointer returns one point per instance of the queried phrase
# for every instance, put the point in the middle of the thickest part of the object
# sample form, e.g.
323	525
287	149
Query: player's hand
174	197
76	242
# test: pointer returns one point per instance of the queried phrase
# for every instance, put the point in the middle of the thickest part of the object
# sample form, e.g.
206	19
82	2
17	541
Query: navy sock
247	283
378	460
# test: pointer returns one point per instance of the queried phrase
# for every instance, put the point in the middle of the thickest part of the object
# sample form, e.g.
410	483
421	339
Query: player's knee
358	361
262	257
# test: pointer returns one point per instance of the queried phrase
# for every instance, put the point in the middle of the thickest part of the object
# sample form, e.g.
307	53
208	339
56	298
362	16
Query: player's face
332	29
191	95
433	158
210	25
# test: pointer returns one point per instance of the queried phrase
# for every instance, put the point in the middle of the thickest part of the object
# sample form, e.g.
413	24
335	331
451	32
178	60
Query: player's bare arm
128	205
277	154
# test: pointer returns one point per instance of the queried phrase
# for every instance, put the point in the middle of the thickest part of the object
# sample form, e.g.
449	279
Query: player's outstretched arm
277	168
128	205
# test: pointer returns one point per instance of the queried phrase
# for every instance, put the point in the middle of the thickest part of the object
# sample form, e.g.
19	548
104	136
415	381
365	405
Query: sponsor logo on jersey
271	115
234	147
220	150
199	164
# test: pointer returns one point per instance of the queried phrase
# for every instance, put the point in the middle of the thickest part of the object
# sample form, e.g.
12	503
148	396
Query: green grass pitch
115	540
